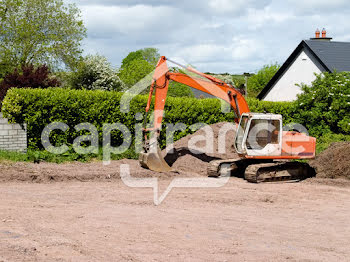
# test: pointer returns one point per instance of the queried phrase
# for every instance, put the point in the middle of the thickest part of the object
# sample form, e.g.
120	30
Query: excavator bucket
153	160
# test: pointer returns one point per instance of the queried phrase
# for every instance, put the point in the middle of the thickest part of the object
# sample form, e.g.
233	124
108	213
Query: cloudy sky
232	36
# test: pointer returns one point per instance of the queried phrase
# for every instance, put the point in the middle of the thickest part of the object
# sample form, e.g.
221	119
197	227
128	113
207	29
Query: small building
314	56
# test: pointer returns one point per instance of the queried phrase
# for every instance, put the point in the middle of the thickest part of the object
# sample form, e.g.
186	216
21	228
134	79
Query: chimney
317	33
324	36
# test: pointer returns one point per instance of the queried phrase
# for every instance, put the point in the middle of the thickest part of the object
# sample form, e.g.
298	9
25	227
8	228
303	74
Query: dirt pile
192	153
334	162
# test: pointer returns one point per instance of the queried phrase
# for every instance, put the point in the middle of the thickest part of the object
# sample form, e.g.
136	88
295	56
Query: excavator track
234	167
278	172
255	171
214	167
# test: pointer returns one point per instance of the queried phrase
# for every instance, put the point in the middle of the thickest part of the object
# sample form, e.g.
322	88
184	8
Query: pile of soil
192	153
334	162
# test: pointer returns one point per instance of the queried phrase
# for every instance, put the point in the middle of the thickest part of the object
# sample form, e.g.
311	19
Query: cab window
263	132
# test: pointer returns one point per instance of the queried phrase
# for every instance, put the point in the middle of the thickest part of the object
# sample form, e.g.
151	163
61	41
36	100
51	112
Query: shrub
286	109
40	107
179	90
134	71
257	82
29	76
94	72
149	55
324	106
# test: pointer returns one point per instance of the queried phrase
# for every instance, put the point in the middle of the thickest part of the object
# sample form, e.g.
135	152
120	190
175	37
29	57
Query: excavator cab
259	135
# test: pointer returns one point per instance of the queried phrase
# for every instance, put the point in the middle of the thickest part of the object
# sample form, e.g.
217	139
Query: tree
29	76
139	64
257	82
324	106
134	71
150	55
40	31
179	90
94	72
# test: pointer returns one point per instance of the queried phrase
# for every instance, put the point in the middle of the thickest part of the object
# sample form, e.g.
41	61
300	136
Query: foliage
224	77
324	106
239	81
29	76
179	90
286	109
257	82
134	71
94	72
40	31
149	55
137	65
39	107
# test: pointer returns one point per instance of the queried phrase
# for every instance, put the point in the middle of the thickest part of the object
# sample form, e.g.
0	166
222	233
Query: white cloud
201	52
259	18
319	3
214	35
312	6
237	7
244	48
126	19
226	6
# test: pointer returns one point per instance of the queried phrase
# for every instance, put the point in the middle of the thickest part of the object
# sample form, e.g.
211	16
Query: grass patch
37	156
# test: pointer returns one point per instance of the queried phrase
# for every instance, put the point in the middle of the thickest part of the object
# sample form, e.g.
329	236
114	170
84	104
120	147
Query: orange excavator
265	150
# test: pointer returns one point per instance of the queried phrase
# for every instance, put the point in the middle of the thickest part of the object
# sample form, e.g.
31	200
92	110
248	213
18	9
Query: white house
316	55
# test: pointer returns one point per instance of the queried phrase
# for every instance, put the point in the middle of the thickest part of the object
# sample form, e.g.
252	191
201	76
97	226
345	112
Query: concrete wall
13	137
302	70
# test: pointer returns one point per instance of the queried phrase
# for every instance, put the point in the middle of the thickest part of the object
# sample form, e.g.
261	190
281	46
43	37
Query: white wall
300	71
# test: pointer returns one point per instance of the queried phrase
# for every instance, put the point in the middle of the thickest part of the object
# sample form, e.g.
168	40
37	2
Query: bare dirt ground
104	220
84	212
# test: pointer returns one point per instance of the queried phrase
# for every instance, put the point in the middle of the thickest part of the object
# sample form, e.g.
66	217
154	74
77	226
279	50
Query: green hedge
39	107
324	106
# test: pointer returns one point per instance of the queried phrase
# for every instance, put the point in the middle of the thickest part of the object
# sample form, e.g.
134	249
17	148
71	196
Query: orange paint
215	87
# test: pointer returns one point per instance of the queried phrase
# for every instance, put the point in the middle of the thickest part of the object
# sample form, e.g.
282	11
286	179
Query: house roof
331	55
335	55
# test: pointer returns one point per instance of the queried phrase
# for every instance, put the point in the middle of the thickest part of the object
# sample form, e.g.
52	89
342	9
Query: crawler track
256	171
278	172
214	167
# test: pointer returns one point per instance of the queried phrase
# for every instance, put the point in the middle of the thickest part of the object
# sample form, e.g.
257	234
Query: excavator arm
151	157
212	86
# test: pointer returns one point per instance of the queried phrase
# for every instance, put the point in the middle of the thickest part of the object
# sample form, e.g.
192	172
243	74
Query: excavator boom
212	86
